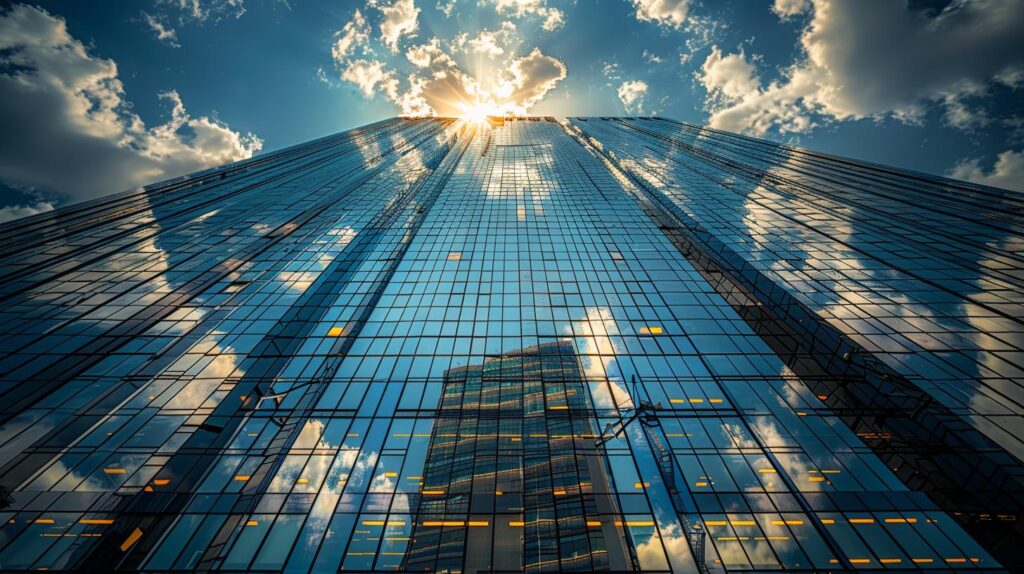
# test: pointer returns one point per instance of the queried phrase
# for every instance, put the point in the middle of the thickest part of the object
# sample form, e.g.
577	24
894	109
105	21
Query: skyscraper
594	344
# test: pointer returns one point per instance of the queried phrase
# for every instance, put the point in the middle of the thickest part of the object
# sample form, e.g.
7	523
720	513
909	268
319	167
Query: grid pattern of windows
904	290
426	345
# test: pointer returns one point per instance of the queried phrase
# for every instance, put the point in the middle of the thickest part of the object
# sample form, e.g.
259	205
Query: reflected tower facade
590	344
514	441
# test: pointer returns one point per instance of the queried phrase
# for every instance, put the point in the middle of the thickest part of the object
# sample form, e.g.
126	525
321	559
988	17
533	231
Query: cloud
881	59
444	89
203	10
164	33
422	55
354	34
728	77
786	9
553	17
490	43
432	82
701	32
632	94
185	12
446	7
75	132
528	79
400	19
611	71
1007	173
18	211
669	13
438	87
651	57
369	76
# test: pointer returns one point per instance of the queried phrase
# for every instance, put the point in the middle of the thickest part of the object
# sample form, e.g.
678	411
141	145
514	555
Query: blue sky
98	97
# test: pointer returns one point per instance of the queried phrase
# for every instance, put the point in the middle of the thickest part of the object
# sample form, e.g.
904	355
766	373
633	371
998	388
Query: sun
478	112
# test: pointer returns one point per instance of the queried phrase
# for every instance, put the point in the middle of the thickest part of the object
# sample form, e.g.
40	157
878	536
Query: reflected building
527	344
514	442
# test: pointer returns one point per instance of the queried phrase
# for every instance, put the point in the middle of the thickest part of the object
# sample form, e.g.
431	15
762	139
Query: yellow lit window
132	539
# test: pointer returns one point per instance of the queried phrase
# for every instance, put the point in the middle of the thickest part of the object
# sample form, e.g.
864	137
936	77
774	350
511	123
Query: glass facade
593	344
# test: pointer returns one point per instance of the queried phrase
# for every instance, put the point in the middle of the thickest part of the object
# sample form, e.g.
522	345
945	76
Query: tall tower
591	344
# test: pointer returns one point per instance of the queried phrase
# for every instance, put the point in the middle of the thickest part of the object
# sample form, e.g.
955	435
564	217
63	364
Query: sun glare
479	112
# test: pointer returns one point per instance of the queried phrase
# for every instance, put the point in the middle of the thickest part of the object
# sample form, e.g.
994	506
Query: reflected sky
308	311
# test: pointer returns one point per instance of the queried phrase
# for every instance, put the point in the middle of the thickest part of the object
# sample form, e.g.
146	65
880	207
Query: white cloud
203	10
401	18
432	78
611	71
651	57
553	17
164	13
18	211
786	9
77	134
670	13
446	7
438	85
700	32
883	59
632	94
353	35
1007	173
528	79
730	77
369	76
492	43
960	115
1012	76
164	33
422	55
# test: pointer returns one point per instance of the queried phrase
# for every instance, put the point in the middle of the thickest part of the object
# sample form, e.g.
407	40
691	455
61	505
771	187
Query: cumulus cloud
786	9
632	94
70	129
163	32
528	79
444	89
431	81
553	18
879	59
728	77
354	34
670	13
490	43
371	76
18	211
401	18
446	7
1007	173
